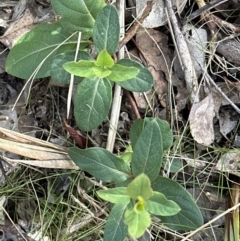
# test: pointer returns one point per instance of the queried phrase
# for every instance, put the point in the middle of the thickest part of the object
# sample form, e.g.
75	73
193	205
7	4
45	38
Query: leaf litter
182	91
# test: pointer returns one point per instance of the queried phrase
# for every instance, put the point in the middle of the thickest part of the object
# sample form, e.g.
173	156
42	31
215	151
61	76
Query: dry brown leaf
140	100
153	45
230	49
157	16
27	14
18	28
46	154
227	124
230	162
229	90
201	121
234	84
196	39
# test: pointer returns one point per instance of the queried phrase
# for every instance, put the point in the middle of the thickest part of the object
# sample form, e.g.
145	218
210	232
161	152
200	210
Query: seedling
140	190
55	55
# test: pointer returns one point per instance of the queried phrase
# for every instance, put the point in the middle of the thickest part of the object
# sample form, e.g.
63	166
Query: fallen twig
210	222
183	54
203	9
133	104
204	72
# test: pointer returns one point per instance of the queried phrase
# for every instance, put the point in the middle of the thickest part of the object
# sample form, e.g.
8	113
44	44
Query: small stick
132	31
213	20
212	221
204	72
133	104
203	9
184	55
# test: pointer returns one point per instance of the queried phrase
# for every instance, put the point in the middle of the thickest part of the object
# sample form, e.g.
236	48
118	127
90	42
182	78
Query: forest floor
194	57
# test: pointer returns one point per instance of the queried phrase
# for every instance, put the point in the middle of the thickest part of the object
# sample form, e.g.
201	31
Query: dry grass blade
117	99
212	221
45	154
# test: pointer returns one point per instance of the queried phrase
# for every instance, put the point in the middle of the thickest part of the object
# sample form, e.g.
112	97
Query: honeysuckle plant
94	93
49	49
140	191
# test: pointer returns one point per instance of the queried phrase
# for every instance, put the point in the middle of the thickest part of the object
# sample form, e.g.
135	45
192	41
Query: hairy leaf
82	68
106	30
115	229
137	222
78	15
122	73
148	151
190	217
100	163
104	59
140	124
158	204
140	186
38	48
101	72
115	195
58	73
92	102
142	82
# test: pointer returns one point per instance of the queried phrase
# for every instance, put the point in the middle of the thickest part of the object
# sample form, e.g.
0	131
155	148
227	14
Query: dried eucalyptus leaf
196	39
230	162
230	49
226	122
157	17
201	121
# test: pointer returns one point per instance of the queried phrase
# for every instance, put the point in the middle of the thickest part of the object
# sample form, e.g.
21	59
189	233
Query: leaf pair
137	216
94	94
106	33
103	67
134	200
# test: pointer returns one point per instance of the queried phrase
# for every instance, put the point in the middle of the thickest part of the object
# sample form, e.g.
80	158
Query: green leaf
142	82
140	186
127	155
106	30
190	217
158	204
100	163
137	222
136	129
101	72
34	47
166	132
92	102
140	124
148	151
122	73
115	195
82	68
115	229
58	73
78	15
104	59
173	166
